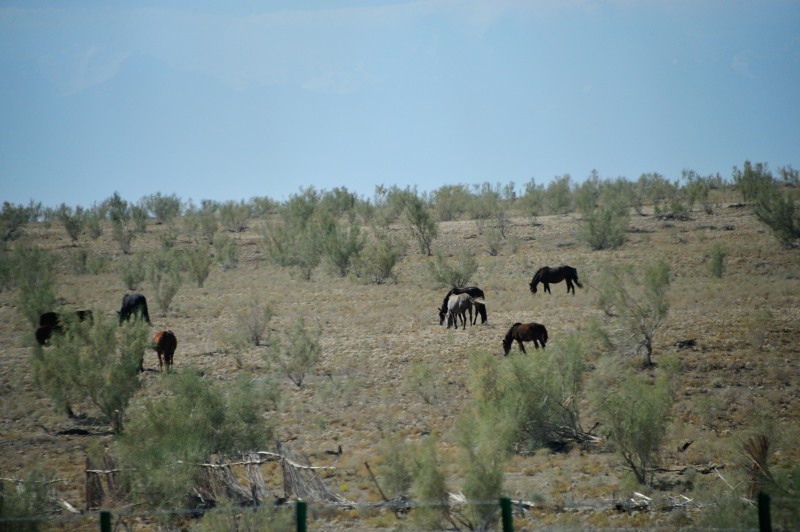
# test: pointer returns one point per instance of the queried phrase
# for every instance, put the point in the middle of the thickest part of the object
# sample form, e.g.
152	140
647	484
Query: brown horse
165	345
547	275
525	332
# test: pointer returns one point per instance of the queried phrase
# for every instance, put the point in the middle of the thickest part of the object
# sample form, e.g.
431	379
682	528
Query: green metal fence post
764	518
507	517
105	521
301	516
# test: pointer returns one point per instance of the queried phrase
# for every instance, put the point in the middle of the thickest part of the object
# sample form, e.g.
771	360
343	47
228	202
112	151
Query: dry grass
375	338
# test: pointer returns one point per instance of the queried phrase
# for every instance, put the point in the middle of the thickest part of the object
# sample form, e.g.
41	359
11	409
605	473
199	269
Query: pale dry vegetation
387	371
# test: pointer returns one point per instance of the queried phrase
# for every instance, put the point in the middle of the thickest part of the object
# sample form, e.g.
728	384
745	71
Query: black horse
476	293
525	332
53	322
133	305
547	275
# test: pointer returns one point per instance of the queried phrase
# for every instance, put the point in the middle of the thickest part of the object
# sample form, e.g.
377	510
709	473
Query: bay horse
547	275
457	307
477	295
165	344
525	332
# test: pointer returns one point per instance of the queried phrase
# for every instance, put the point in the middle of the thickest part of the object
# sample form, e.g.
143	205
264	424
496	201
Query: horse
133	304
477	295
547	275
525	332
53	322
165	344
457	307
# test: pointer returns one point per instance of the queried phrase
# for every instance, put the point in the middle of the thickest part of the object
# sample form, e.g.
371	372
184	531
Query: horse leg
547	287
521	346
570	287
160	361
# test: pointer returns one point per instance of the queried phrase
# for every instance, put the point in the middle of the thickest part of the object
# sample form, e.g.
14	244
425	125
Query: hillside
375	336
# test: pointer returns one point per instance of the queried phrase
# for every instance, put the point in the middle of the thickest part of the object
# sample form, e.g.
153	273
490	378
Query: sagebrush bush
168	435
34	276
453	273
254	320
226	252
297	352
198	261
421	223
164	273
96	362
133	270
376	261
717	264
605	227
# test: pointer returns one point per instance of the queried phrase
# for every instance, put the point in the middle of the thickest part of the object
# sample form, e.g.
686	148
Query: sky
240	99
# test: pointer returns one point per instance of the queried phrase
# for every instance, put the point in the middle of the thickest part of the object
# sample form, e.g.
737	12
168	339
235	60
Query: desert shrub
169	236
254	320
13	219
83	261
168	436
533	200
227	516
93	224
139	217
133	270
775	208
717	264
207	221
35	279
297	352
421	223
164	273
587	195
341	246
276	243
634	413
605	227
429	486
163	208
198	263
756	327
378	258
234	216
23	505
226	252
638	301
421	380
454	273
558	195
72	220
96	362
339	202
451	201
396	466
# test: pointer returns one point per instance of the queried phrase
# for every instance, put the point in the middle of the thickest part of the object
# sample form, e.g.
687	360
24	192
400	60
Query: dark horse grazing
133	304
53	322
475	292
165	345
525	332
457	307
549	275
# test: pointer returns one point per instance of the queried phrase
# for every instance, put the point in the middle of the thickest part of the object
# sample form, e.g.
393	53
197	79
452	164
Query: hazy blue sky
236	99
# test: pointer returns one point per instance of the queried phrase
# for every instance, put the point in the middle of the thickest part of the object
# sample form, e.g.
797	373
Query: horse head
442	314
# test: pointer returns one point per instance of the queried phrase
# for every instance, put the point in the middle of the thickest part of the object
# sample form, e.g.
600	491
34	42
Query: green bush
558	195
95	362
429	485
133	270
297	352
23	506
634	413
234	216
717	264
451	201
171	434
638	301
164	273
198	263
163	208
254	321
35	279
341	246
453	274
378	258
72	220
226	252
422	225
605	227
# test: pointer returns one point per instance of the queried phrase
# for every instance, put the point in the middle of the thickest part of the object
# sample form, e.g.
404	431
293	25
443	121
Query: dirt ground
374	335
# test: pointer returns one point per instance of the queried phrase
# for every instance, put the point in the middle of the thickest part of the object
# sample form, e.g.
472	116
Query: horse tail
575	277
544	333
